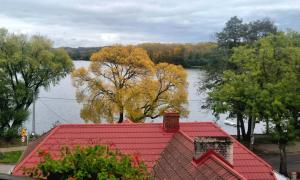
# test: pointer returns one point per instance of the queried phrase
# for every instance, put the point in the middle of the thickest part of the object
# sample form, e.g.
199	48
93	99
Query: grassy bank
10	157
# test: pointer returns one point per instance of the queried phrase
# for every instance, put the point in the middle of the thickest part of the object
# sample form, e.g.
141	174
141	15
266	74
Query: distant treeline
187	55
81	53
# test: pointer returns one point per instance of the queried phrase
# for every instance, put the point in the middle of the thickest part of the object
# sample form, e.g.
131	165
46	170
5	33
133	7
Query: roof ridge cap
217	126
219	159
52	131
227	164
211	153
185	135
110	124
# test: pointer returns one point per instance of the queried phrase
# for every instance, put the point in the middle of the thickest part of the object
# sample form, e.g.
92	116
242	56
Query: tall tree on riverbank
26	65
123	81
267	84
234	34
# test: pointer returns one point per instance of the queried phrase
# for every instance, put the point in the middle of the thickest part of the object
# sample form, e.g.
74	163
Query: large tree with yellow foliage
122	81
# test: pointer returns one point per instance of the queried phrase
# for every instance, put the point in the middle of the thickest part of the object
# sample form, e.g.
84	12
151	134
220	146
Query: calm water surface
58	104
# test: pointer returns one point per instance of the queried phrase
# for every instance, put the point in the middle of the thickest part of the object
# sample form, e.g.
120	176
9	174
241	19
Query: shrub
95	162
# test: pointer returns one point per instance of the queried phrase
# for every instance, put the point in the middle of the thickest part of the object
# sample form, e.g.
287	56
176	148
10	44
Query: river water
57	104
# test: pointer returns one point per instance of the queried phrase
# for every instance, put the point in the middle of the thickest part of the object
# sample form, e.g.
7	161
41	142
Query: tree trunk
249	129
121	117
283	161
243	127
267	126
238	130
241	121
251	143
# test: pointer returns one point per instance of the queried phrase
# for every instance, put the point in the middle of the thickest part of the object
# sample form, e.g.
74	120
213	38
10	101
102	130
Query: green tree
235	34
258	29
7	111
26	65
279	66
89	163
267	84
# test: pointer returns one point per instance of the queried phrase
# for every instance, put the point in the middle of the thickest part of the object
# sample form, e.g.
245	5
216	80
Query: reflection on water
58	104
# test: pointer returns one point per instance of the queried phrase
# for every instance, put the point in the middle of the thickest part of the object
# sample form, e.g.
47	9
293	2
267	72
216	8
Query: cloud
101	22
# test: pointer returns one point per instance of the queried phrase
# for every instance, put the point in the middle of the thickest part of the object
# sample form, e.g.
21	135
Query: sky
85	23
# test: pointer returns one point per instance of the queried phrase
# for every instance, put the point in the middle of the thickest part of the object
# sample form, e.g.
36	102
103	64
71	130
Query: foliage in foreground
123	81
89	163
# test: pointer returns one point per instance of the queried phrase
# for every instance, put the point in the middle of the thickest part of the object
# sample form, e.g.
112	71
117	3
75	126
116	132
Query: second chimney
221	145
171	121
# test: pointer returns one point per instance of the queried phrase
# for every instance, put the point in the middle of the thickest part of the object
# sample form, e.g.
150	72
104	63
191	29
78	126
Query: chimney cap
214	139
171	113
171	110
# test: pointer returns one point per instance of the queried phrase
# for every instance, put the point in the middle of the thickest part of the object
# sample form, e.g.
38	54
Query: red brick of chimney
171	121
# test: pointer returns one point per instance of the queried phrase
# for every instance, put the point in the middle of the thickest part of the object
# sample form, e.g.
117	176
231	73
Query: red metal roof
148	140
176	162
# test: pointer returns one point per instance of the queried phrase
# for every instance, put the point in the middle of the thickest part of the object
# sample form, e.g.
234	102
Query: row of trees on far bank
200	54
187	55
255	78
81	53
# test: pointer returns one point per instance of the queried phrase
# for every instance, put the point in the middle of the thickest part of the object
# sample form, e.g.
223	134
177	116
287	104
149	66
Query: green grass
10	157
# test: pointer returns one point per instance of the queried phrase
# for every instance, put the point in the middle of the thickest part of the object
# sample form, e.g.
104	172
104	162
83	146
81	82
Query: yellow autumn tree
122	81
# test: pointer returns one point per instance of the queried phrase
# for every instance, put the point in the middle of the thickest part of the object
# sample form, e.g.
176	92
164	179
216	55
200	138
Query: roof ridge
133	123
217	126
52	131
209	153
185	135
169	143
33	143
109	124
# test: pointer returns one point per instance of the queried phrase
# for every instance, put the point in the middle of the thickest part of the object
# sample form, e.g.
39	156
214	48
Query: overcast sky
104	22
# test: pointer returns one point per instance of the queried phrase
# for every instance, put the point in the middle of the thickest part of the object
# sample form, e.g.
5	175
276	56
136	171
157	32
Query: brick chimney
171	121
221	145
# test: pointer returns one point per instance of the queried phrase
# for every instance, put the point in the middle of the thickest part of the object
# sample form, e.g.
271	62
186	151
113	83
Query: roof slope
32	145
176	162
148	140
